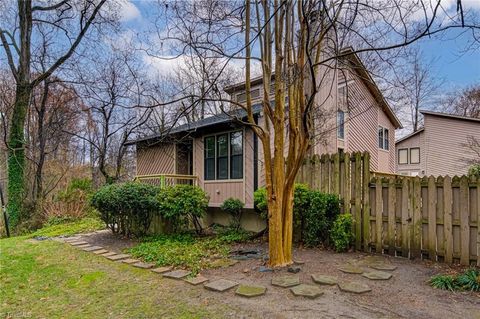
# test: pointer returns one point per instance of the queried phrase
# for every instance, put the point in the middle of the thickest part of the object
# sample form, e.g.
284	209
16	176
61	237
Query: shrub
446	282
182	205
233	207
260	202
313	213
470	280
341	233
474	170
127	208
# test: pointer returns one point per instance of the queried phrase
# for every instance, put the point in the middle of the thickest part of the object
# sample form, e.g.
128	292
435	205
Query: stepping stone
144	265
265	269
220	285
377	275
199	279
130	261
177	274
92	248
286	281
309	291
108	254
383	267
161	270
78	242
354	287
351	269
70	239
324	279
101	251
118	257
83	246
250	291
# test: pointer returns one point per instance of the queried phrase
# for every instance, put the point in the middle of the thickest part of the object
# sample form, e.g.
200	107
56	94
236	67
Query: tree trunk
16	153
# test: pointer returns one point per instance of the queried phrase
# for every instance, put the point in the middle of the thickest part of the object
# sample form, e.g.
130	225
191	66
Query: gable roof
346	53
217	119
452	116
409	135
349	53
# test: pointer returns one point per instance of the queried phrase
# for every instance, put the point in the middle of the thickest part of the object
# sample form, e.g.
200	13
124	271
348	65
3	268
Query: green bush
341	233
319	217
313	213
468	280
260	202
445	282
234	208
474	171
182	205
127	208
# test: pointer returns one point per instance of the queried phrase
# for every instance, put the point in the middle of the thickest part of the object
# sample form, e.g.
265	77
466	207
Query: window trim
403	149
383	130
410	155
228	179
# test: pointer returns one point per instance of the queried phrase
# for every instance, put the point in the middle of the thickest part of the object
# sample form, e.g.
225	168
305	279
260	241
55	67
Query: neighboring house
439	148
227	158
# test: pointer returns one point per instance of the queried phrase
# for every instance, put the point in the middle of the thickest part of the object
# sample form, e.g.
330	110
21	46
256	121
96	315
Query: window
209	157
403	156
242	97
383	135
415	155
341	124
224	156
236	155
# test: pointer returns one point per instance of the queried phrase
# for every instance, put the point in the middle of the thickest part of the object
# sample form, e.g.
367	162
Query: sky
456	69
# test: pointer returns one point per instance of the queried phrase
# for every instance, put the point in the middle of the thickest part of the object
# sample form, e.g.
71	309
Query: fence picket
432	218
358	201
378	214
478	221
348	181
464	222
447	219
392	192
366	200
405	217
416	243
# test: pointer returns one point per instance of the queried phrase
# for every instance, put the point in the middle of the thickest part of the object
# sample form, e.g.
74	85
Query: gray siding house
440	147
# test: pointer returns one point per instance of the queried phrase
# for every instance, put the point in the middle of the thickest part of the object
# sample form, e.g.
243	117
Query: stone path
377	270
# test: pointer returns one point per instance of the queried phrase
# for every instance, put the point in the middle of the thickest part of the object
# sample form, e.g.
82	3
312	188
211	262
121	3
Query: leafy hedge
183	205
127	208
313	213
234	207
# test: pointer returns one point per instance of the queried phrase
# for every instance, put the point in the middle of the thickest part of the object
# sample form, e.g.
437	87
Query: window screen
414	155
380	137
341	124
403	156
209	143
236	155
222	156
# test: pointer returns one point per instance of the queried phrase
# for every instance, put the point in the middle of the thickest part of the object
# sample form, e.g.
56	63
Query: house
440	147
226	157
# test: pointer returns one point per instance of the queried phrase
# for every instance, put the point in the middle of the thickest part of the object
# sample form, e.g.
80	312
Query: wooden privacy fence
415	217
404	216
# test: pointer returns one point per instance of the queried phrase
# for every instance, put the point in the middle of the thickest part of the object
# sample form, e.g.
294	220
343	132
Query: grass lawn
48	279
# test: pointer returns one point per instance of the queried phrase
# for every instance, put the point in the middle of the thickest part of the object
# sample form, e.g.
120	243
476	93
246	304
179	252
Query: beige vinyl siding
445	151
156	159
412	142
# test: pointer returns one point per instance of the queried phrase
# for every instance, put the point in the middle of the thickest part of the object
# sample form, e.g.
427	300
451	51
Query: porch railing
163	180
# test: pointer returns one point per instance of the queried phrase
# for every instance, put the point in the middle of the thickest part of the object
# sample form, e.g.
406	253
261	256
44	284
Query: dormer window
242	97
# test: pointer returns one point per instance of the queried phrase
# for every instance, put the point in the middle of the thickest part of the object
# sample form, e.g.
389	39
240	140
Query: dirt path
405	295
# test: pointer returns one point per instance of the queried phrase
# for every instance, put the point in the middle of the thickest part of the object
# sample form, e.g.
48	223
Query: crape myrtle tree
71	21
298	44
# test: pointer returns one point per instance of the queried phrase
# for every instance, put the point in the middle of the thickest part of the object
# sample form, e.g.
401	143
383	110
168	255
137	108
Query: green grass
48	279
84	225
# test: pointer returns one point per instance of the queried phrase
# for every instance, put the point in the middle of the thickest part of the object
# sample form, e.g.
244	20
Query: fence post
348	183
336	174
162	181
366	201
